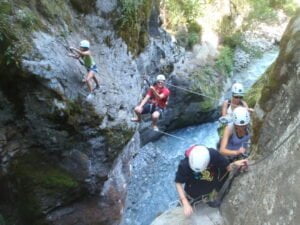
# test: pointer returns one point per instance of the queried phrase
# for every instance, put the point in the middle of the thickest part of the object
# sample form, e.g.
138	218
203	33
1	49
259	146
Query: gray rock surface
203	215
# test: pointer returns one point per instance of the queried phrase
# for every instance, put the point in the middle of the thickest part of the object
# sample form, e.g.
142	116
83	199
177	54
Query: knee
137	110
155	115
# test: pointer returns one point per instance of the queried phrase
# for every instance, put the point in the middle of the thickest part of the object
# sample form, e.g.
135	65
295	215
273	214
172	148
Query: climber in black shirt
202	170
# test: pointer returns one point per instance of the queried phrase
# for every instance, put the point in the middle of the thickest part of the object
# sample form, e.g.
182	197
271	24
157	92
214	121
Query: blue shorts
151	108
93	68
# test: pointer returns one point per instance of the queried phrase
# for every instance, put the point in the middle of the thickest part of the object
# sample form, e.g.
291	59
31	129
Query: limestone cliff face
269	192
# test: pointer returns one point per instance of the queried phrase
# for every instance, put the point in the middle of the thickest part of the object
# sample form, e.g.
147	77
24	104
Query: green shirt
88	61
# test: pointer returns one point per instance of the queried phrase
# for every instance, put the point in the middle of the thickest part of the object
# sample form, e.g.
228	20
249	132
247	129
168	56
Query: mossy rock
254	94
55	11
41	185
132	25
117	138
203	81
80	113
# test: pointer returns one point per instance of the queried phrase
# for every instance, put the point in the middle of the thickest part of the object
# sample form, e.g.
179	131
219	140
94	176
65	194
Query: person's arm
139	108
238	164
224	108
246	105
224	142
187	208
145	100
160	96
81	53
75	56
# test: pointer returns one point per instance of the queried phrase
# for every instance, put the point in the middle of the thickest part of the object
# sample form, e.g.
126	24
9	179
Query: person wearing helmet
154	102
236	136
236	100
199	173
88	61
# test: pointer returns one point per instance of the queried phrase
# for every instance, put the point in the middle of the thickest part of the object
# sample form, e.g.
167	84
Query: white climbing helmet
237	89
85	44
160	77
199	158
241	116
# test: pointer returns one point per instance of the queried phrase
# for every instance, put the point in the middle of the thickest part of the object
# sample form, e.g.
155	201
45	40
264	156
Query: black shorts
151	108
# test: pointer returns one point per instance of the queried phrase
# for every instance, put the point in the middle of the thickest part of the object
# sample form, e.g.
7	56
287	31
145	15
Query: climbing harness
225	188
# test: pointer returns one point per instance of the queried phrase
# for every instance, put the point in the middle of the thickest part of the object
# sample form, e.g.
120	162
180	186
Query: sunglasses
238	97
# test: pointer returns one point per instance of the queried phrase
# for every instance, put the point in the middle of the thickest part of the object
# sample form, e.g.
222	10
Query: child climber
84	53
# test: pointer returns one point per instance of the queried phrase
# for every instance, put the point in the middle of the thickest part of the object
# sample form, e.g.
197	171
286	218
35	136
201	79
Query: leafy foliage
181	12
224	62
181	19
132	25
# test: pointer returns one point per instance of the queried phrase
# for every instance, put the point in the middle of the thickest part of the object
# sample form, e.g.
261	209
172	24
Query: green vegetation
204	82
224	61
188	36
265	10
39	182
19	18
181	19
55	11
117	138
181	13
132	25
254	94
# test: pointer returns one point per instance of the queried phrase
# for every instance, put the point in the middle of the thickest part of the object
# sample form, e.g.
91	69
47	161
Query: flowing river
152	189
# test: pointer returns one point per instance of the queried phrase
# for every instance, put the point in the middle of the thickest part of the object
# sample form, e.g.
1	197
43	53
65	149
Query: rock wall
268	193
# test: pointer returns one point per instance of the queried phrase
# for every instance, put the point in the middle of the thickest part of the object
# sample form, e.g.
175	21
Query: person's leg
139	111
89	77
138	114
155	117
95	80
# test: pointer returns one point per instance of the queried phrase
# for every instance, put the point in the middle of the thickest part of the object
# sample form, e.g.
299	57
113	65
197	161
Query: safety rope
187	90
171	135
190	91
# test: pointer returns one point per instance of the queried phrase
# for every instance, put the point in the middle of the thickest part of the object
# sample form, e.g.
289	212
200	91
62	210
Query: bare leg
138	113
95	80
155	117
89	77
